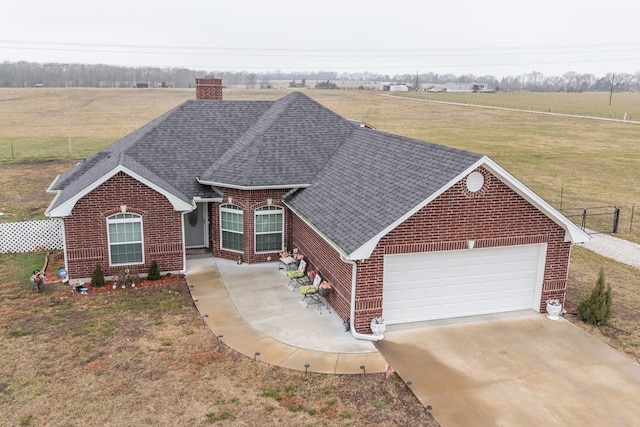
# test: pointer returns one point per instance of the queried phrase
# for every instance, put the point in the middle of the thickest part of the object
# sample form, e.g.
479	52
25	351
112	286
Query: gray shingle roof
286	146
374	179
358	181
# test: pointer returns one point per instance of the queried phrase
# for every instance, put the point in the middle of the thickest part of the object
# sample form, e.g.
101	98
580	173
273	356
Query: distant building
395	87
467	87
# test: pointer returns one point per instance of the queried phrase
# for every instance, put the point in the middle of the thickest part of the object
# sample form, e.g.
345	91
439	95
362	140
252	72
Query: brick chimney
208	88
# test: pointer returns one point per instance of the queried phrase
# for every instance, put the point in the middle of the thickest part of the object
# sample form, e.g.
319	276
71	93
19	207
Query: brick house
404	229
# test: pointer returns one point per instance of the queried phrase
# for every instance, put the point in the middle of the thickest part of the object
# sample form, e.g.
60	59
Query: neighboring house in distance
467	87
395	87
404	229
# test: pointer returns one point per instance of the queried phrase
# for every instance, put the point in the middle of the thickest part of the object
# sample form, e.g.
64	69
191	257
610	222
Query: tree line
30	74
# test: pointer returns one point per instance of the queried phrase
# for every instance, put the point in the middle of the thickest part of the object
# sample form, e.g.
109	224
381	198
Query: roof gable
354	225
374	179
66	199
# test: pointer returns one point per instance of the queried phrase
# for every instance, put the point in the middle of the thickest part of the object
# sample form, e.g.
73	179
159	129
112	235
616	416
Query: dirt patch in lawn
143	356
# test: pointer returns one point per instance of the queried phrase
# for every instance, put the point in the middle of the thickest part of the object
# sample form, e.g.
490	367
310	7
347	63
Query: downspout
354	274
184	246
64	246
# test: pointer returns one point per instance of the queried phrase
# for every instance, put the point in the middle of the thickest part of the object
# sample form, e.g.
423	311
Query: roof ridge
255	131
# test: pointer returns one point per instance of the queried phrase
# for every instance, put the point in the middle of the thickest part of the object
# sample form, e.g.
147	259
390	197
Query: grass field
584	104
111	361
143	357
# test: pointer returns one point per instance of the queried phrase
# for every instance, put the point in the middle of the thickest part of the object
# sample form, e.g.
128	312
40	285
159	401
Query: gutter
368	337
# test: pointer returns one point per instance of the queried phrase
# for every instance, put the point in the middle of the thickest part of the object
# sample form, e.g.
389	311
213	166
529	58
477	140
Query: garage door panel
434	285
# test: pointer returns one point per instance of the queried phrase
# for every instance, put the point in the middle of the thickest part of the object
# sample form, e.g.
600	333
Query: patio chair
298	277
310	292
289	262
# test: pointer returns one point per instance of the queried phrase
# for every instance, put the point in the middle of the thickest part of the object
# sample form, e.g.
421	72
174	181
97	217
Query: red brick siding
208	88
86	228
248	201
493	216
324	258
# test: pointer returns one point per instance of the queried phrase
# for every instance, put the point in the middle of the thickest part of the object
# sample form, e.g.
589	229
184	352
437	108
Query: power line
321	52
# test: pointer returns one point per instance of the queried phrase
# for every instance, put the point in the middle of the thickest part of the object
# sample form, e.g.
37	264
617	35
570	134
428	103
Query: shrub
596	308
154	271
126	277
97	279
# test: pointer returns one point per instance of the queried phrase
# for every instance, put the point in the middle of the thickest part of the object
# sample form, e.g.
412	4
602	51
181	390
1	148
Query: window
269	222
125	239
231	225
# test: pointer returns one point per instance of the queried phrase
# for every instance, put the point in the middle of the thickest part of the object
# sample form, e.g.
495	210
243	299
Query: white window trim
235	211
257	212
137	219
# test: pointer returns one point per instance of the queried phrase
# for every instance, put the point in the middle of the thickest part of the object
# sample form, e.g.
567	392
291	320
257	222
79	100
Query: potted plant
324	288
378	326
554	308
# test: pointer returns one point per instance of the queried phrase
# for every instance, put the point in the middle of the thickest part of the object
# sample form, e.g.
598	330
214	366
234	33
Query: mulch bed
55	260
141	283
108	285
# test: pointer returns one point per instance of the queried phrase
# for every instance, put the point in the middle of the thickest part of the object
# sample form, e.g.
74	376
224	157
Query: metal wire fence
596	215
50	149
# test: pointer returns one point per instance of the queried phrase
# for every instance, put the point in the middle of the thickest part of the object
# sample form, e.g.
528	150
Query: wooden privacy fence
31	236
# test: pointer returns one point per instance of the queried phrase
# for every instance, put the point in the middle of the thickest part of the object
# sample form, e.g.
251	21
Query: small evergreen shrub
596	308
154	271
97	279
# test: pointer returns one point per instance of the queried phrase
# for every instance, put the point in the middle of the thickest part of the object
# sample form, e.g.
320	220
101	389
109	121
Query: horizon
340	75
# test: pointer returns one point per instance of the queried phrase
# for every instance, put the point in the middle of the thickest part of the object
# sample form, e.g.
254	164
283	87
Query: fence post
616	219
584	219
633	207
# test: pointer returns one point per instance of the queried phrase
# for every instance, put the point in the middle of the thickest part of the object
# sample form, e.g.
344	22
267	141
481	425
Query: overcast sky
490	37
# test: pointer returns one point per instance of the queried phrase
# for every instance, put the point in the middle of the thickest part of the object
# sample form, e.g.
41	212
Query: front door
196	227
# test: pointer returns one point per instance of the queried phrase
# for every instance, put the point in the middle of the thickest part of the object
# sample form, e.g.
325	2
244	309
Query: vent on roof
208	88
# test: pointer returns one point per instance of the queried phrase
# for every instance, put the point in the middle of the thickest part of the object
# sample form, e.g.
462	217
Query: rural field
144	358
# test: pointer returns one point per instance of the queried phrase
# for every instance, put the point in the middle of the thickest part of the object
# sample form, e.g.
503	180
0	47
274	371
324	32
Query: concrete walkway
251	309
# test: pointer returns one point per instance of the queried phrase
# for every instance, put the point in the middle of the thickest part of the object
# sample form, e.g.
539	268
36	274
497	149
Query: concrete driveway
523	371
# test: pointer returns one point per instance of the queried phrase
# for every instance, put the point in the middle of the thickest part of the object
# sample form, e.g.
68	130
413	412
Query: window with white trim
231	228
269	226
124	233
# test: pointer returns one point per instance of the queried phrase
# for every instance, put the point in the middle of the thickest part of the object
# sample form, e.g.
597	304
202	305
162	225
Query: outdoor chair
290	262
310	293
298	277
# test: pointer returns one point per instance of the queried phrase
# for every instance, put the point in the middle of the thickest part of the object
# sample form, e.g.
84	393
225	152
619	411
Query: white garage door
440	285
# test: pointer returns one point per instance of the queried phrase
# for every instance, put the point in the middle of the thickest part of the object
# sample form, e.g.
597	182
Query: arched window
231	228
124	233
269	226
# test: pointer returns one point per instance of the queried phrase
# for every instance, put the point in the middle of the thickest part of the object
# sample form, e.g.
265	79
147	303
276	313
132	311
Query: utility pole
417	82
613	77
